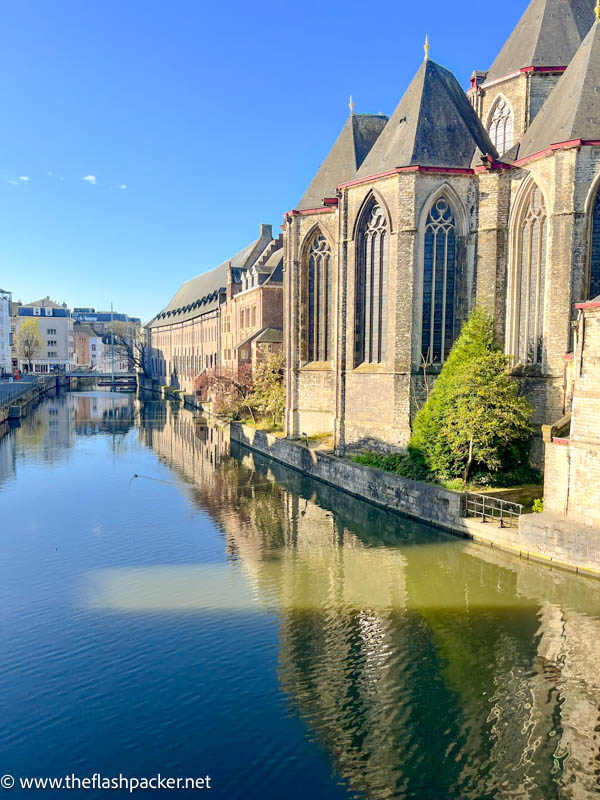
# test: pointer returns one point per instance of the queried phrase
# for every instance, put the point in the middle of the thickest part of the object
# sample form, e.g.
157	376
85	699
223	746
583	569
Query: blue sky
193	122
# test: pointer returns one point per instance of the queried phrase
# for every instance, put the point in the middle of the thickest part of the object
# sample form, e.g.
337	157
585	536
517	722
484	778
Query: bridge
105	375
123	379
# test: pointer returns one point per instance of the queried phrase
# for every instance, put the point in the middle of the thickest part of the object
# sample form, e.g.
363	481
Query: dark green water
219	614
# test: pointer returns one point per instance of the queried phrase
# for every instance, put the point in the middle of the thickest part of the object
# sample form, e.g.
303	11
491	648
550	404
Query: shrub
474	420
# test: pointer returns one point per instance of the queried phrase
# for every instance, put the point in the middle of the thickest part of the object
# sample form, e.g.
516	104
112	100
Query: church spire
351	103
426	45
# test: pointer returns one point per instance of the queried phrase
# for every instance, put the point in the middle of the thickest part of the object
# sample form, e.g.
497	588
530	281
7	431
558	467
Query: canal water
171	607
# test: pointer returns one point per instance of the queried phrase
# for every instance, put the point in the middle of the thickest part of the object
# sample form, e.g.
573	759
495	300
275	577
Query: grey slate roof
274	335
433	125
572	111
345	157
547	35
201	294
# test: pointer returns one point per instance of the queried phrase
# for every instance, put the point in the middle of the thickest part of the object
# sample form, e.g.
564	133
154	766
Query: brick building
203	325
489	198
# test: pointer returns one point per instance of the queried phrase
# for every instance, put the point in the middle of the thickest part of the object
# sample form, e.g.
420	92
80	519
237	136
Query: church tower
508	97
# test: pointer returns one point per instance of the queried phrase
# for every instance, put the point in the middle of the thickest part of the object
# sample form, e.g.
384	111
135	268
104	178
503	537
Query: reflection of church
485	687
489	198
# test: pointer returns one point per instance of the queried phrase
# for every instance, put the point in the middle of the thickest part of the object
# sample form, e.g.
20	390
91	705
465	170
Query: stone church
487	198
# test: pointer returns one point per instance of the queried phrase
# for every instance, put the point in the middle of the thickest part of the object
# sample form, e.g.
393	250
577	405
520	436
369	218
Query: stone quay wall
577	552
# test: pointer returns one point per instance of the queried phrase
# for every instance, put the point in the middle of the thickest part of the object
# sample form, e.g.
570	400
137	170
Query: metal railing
493	509
12	391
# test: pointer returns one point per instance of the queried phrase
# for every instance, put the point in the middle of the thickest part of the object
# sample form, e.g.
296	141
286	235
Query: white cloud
23	177
50	174
90	179
14	183
123	186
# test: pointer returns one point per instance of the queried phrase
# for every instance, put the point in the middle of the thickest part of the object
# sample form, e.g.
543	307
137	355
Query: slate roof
572	111
347	154
201	294
547	35
274	335
433	125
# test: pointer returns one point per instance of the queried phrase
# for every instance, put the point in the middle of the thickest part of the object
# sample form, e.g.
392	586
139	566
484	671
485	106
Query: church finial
351	103
426	47
597	10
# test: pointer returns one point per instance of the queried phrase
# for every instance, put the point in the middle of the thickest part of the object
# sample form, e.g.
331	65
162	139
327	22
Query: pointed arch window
319	301
501	126
594	275
439	283
529	280
371	286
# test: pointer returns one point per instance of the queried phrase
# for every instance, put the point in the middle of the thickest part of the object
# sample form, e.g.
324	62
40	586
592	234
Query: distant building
57	353
102	319
252	317
193	333
5	332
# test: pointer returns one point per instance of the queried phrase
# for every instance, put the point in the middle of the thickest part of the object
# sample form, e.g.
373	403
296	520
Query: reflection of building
97	412
427	667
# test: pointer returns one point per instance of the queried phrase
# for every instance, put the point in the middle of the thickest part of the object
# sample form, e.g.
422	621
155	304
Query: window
318	300
528	281
253	316
501	126
439	279
594	275
371	280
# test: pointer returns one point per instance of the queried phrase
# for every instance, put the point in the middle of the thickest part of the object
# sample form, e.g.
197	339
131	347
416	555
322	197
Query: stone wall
577	550
432	504
572	474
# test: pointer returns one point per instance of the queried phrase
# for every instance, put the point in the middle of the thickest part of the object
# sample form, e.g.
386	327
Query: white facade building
57	353
5	338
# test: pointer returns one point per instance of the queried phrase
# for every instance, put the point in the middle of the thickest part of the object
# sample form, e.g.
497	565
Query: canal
169	606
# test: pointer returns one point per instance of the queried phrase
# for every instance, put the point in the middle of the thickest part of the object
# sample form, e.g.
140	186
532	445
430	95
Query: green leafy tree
474	420
268	394
29	341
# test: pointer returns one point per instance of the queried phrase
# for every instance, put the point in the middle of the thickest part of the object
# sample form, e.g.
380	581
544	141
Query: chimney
266	231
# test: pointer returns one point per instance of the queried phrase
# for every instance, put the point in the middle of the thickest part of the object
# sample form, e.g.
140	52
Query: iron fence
494	509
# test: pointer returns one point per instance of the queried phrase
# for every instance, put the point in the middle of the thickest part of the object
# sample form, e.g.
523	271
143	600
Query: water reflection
426	666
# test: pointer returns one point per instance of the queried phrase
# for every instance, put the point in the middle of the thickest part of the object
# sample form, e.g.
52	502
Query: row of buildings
224	319
488	198
81	337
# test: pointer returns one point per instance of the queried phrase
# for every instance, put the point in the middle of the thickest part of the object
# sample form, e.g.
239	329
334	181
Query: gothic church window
594	285
529	280
319	301
439	281
501	126
371	287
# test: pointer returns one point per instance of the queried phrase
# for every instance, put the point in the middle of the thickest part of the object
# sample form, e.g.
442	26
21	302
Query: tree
29	341
474	418
130	341
268	393
229	389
